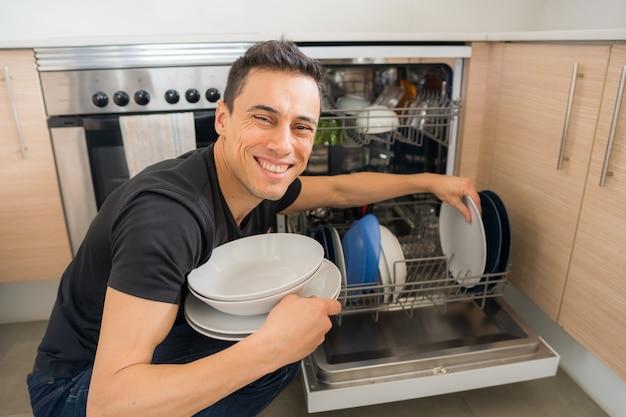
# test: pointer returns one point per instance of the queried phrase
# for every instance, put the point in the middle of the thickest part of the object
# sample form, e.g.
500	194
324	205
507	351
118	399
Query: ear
222	116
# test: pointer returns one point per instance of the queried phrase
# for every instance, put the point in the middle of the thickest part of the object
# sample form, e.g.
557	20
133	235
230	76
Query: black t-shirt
148	235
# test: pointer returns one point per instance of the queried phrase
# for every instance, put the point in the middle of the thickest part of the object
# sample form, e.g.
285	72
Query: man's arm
358	189
124	382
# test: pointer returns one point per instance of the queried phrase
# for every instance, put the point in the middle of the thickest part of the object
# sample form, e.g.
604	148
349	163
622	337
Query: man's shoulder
186	176
175	185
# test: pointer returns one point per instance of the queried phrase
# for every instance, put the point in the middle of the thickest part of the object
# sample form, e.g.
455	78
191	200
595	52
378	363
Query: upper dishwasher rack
429	116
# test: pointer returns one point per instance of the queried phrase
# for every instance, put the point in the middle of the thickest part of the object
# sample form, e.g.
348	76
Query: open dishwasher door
422	332
399	357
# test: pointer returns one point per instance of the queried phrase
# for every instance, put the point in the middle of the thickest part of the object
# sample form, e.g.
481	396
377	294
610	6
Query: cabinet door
33	238
594	302
544	202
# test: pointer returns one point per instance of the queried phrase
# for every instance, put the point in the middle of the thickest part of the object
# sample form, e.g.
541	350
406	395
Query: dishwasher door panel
430	352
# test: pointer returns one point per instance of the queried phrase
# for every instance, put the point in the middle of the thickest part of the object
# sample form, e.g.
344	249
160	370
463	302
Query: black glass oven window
106	150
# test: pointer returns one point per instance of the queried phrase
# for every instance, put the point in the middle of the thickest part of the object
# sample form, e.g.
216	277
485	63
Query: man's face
269	134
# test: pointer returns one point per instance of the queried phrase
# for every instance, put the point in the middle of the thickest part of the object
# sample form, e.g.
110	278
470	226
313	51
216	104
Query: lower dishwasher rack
400	356
427	334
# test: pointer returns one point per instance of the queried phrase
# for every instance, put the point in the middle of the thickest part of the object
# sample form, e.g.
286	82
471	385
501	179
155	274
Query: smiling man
117	342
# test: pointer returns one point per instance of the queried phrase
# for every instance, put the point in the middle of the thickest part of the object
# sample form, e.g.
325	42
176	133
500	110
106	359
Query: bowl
377	119
325	284
265	304
256	267
351	103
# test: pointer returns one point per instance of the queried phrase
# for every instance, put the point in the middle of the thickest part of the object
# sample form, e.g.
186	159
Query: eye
262	119
304	128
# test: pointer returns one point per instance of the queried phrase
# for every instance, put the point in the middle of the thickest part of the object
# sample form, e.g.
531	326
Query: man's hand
452	190
296	326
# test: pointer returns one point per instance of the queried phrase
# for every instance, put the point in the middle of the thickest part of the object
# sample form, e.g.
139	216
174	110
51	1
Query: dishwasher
434	336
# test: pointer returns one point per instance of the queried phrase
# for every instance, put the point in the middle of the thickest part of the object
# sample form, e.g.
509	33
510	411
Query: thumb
333	307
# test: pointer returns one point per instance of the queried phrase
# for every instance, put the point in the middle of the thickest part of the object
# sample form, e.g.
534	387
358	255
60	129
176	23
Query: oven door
91	164
429	352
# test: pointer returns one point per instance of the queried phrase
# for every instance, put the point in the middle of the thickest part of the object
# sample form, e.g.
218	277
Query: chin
266	190
272	193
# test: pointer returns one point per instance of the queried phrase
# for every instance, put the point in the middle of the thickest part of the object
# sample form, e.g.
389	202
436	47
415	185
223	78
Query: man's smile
273	166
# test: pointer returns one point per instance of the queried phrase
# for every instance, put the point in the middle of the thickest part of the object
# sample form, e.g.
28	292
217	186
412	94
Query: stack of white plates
232	293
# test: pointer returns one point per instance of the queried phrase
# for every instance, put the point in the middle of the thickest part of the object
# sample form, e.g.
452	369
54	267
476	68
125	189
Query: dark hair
279	55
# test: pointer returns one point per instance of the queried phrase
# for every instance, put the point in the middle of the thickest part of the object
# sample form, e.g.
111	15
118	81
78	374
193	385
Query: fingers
458	204
467	188
476	199
333	307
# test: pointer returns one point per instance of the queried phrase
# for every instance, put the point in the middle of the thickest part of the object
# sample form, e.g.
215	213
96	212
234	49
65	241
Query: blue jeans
67	397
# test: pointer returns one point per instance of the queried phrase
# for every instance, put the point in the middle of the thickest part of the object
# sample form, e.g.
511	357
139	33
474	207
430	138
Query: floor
550	397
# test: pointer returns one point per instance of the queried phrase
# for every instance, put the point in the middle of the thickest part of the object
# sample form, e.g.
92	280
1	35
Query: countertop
534	36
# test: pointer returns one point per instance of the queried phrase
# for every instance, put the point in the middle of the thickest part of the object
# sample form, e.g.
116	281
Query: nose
280	141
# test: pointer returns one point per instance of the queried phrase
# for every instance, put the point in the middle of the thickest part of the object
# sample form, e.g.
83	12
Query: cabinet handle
614	120
16	118
568	114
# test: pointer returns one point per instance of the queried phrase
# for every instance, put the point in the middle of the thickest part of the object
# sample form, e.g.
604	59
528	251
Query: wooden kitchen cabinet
33	238
594	302
543	201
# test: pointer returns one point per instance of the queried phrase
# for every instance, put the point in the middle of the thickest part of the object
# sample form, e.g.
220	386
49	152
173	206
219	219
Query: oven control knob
120	98
192	95
142	97
213	94
171	96
100	99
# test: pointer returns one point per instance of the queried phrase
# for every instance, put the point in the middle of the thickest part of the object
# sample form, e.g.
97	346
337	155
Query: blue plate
493	232
505	252
361	249
329	244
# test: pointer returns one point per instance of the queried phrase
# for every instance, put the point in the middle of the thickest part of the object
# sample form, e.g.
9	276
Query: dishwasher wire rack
428	281
413	124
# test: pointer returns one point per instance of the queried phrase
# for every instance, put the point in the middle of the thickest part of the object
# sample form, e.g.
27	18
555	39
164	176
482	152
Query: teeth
273	168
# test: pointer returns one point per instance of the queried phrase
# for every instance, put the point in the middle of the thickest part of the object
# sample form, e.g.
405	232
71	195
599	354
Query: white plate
257	266
394	256
326	283
341	262
385	278
215	335
464	243
252	307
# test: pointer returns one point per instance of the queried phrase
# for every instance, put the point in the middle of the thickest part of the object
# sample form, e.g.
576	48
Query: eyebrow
272	110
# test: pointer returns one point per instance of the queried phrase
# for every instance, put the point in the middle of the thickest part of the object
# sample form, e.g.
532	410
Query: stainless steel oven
434	336
86	90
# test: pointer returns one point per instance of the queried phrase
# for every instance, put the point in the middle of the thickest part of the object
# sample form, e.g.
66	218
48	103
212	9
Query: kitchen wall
580	14
30	19
93	20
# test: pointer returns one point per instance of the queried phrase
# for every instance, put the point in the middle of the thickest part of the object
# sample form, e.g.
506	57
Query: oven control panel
133	90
